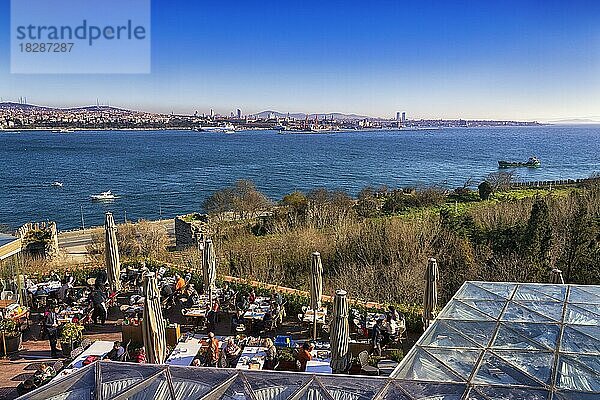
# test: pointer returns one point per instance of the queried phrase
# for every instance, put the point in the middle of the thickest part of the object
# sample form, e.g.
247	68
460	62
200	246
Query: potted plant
11	336
397	355
70	337
287	359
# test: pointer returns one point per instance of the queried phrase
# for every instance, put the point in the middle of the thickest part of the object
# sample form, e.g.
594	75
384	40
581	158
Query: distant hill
31	107
8	105
576	121
337	116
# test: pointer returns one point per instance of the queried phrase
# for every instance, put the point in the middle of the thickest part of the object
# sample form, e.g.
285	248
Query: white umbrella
430	299
113	264
153	323
340	333
209	268
316	288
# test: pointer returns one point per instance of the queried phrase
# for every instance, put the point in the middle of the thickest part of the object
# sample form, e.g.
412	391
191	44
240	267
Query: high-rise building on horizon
403	117
398	116
239	113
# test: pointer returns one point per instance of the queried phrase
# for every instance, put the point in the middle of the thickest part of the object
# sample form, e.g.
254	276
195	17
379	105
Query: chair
363	358
76	352
7	295
58	365
85	343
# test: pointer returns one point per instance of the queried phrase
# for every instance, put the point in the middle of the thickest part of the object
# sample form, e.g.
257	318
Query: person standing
98	300
211	319
51	325
212	354
377	337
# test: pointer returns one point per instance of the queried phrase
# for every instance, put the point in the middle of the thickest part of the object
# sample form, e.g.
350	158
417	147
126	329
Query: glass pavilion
491	341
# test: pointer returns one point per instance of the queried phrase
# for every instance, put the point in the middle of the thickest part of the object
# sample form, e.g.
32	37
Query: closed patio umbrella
316	288
430	298
557	277
113	265
153	323
209	268
340	334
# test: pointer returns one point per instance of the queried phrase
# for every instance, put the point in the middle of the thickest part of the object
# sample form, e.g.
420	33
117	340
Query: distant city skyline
514	60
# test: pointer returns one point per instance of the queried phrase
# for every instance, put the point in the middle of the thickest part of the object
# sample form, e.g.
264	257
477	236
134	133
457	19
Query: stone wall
49	247
189	229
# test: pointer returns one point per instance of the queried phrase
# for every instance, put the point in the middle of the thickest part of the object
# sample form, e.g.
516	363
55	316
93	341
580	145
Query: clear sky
433	59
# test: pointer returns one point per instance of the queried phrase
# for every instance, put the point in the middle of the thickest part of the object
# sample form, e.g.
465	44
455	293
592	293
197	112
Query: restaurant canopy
509	340
491	341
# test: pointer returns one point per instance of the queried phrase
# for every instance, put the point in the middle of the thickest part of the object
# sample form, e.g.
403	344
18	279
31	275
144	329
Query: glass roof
513	341
491	341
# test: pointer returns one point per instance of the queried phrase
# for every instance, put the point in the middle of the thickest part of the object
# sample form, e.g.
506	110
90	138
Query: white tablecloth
258	315
308	316
98	348
51	286
252	353
194	312
185	352
319	365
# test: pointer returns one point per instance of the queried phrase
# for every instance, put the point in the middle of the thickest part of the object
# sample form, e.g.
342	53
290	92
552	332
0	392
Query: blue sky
433	59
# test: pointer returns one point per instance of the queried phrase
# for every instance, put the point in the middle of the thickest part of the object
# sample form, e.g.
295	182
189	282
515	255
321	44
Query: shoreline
282	132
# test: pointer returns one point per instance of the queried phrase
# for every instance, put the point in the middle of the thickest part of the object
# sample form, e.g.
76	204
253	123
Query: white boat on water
104	196
57	184
225	128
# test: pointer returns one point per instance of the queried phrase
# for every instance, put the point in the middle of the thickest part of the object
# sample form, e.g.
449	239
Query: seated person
232	353
236	320
271	358
260	326
166	291
304	355
43	375
117	353
26	387
139	356
393	313
179	284
252	297
242	303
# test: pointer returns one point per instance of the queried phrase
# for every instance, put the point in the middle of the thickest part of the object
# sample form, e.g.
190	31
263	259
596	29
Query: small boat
533	162
57	184
104	196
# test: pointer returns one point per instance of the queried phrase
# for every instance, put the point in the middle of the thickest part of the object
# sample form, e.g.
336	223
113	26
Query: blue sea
166	173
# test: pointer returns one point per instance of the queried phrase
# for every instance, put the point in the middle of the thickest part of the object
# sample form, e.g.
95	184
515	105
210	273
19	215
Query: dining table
320	363
99	348
252	357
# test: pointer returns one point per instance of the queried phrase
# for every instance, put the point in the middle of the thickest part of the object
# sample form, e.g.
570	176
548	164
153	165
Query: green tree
538	239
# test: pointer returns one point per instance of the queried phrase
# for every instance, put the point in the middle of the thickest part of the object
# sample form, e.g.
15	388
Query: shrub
485	190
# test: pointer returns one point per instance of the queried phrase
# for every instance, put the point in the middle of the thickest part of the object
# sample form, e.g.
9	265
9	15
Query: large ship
533	162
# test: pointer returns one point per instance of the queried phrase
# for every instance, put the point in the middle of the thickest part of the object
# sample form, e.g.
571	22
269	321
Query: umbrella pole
4	345
314	324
